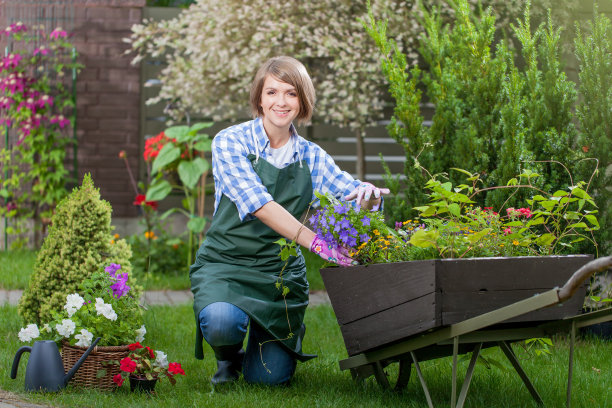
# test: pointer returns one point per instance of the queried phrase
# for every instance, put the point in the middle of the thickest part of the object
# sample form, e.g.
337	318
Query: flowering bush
144	362
34	106
103	308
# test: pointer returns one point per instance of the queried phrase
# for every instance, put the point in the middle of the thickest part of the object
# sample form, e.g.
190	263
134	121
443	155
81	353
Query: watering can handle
582	274
17	358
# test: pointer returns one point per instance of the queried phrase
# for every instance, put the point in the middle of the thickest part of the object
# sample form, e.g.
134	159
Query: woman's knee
223	324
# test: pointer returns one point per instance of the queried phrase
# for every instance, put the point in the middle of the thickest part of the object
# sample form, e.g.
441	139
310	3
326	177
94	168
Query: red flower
127	365
175	368
135	346
141	200
122	154
154	145
150	350
118	379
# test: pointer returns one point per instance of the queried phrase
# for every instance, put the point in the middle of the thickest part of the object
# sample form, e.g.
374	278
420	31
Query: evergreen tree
78	244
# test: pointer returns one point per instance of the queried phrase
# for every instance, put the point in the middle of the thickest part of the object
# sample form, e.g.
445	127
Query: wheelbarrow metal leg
423	384
571	365
505	347
468	376
454	383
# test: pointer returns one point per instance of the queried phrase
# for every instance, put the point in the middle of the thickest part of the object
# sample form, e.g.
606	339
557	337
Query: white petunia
66	328
140	333
73	303
84	338
29	333
105	309
161	359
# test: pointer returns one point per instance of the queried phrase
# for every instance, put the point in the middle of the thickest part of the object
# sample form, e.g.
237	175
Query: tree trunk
360	163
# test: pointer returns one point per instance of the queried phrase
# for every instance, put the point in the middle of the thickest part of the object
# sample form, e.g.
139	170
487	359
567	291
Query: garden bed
378	304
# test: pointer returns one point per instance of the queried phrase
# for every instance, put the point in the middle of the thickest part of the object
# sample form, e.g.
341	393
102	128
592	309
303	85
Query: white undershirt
282	156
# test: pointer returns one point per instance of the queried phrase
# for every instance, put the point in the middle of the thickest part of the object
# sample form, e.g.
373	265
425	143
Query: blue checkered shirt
234	175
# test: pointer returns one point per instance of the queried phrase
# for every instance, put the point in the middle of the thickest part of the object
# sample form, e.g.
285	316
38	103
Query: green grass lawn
16	268
320	383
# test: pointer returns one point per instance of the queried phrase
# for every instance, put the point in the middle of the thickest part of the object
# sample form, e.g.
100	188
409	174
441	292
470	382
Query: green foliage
157	252
492	117
552	223
79	242
594	111
183	152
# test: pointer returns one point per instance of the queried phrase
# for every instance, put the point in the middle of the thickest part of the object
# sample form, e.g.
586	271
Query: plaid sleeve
327	176
234	175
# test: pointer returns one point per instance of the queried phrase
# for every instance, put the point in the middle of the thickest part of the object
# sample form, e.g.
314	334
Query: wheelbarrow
480	332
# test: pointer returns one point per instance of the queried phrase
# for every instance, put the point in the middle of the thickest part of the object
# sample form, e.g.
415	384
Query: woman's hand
338	255
363	195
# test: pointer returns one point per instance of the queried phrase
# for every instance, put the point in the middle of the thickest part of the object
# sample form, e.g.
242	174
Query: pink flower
58	33
44	100
11	61
42	50
6	102
14	28
507	231
60	120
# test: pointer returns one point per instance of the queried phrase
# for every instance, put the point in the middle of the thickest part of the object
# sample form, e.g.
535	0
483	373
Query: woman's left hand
363	194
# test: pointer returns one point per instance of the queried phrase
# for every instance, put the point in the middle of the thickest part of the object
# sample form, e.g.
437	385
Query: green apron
238	262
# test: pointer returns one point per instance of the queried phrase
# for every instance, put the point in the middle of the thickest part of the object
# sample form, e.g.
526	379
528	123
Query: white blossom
140	333
73	303
105	309
66	328
29	333
161	359
84	338
46	328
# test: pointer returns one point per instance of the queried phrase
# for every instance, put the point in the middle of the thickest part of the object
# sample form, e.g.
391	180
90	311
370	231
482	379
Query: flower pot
376	305
138	384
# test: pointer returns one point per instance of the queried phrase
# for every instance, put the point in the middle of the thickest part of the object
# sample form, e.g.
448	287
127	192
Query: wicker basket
87	374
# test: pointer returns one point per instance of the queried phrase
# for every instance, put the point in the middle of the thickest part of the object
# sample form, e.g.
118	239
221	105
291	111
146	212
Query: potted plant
105	307
144	367
454	262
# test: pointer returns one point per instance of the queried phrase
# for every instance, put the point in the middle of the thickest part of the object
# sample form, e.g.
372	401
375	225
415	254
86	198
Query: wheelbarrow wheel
403	374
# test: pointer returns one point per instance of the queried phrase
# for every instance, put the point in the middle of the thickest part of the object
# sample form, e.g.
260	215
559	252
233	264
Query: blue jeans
224	324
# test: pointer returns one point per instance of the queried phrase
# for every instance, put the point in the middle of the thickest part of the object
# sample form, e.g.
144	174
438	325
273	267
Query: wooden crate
379	304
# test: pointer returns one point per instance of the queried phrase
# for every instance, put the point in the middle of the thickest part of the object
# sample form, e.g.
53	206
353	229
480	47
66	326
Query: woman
265	176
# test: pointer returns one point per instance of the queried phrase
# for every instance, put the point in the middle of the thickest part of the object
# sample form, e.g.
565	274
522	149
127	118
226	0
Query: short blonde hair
288	70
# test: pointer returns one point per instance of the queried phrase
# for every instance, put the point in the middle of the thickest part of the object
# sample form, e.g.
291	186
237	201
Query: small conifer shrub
78	244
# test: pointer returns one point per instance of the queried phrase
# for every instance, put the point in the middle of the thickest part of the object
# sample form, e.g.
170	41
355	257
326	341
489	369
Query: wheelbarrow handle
582	274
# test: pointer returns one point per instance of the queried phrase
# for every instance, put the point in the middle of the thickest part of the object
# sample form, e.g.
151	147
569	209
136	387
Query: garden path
160	297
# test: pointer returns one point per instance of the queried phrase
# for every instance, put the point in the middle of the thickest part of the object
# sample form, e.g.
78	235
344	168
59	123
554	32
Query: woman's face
280	104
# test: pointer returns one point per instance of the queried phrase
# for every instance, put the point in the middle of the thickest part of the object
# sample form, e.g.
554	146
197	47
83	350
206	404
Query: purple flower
398	225
120	286
314	218
365	221
345	223
344	236
364	237
353	232
112	269
352	242
340	209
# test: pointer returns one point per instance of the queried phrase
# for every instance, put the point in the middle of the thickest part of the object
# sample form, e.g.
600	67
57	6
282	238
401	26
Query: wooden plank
459	306
491	274
361	291
390	325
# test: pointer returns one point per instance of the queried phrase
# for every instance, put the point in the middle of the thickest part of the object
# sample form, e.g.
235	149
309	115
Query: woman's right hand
338	255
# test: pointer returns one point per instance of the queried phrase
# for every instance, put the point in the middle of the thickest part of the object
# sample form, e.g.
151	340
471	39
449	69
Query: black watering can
45	370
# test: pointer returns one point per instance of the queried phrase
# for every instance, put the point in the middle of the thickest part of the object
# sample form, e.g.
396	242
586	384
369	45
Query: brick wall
108	97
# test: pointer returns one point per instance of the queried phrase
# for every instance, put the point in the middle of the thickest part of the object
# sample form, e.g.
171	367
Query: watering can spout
76	366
